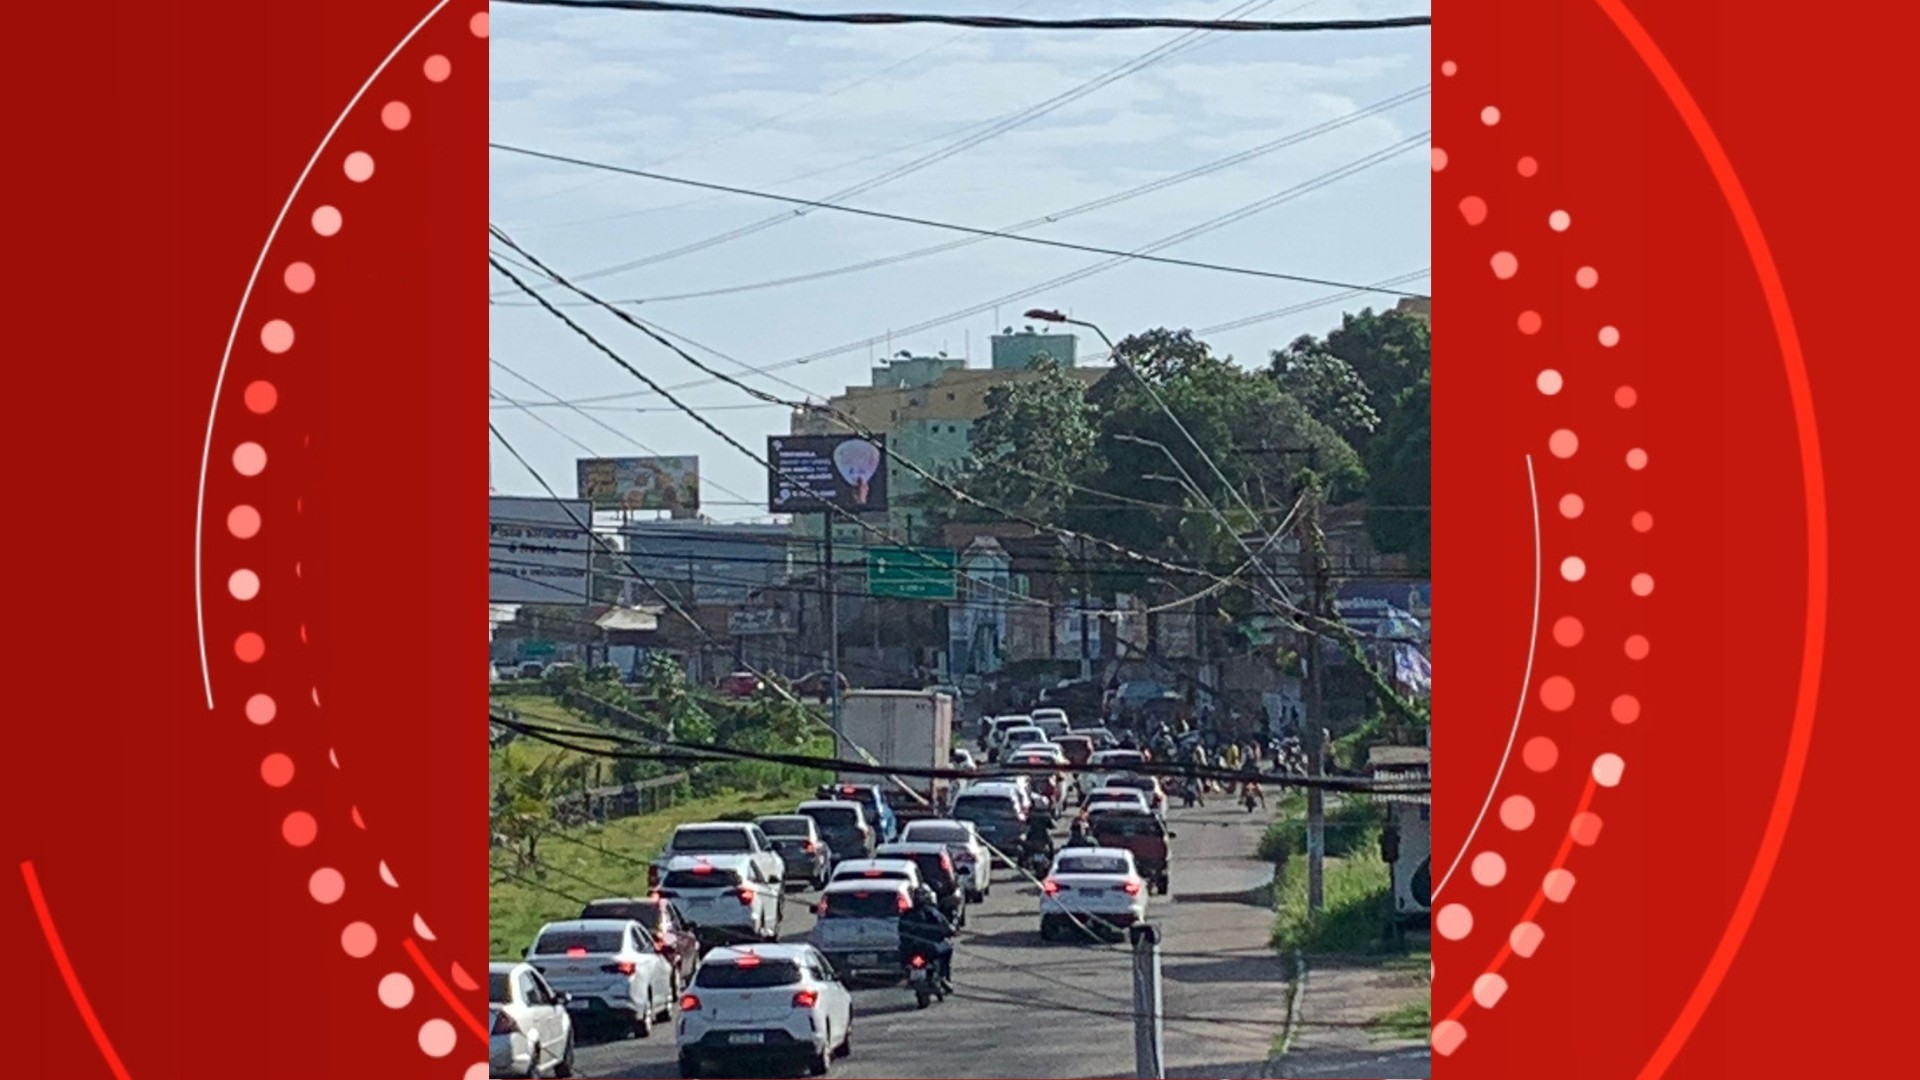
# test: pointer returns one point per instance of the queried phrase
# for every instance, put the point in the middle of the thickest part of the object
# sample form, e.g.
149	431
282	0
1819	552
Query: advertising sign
538	553
813	473
742	622
640	483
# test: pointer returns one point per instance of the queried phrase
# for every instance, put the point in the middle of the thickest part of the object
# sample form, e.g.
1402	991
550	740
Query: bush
1354	919
1352	826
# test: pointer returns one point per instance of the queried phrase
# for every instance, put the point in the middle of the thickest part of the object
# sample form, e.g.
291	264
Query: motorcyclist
1040	833
1079	835
926	931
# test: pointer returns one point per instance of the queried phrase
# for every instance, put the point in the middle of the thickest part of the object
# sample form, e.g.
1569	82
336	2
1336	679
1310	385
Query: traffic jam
892	870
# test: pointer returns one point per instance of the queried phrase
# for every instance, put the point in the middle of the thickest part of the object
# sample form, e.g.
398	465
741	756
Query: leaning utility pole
1313	558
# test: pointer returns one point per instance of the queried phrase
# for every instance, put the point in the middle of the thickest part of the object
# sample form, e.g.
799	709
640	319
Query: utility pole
1086	588
1313	568
832	604
1148	1036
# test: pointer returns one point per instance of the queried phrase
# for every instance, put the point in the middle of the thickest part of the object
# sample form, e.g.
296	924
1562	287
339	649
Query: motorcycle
1038	861
925	982
1249	795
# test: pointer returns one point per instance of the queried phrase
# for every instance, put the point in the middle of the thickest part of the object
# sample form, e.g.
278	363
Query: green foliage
1413	1020
1328	387
1353	922
1402	460
1353	822
1042	427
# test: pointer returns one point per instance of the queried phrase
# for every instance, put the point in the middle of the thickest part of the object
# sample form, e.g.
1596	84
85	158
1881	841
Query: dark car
844	825
997	818
798	839
1077	747
872	800
937	870
1143	834
673	938
742	684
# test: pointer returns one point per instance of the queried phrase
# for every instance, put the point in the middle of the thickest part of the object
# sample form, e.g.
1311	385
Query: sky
811	111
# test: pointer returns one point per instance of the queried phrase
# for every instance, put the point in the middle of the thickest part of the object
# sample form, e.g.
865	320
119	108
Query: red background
162	140
1820	986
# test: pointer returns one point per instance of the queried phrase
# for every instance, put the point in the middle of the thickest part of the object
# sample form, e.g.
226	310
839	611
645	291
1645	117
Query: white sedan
1117	798
1092	889
758	1003
531	1033
608	969
883	869
970	855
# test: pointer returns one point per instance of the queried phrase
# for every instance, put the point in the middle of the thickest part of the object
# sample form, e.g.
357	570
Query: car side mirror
561	997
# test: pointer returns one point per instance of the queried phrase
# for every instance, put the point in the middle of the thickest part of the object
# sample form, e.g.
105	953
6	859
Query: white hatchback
609	971
1092	889
728	899
531	1033
760	1003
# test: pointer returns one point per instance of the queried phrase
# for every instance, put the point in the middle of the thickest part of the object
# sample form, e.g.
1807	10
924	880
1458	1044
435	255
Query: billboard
813	473
538	552
640	483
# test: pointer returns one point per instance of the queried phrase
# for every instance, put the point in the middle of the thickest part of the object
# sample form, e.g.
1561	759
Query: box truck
900	729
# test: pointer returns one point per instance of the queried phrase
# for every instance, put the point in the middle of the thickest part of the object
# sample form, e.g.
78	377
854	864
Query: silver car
609	970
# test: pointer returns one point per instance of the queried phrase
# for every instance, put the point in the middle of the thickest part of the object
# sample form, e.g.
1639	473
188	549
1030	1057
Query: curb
1296	993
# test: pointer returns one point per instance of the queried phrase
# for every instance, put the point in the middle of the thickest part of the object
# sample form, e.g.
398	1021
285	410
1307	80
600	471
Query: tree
523	803
1402	465
1389	350
1327	385
1035	438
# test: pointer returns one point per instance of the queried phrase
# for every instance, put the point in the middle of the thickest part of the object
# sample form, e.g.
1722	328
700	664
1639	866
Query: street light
1044	315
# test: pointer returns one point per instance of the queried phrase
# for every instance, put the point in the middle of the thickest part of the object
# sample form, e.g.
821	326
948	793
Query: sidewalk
1342	996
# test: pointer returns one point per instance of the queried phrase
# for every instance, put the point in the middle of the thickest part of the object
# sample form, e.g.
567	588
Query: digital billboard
814	473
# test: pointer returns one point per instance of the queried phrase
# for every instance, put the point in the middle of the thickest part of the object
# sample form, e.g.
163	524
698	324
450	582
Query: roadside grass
1357	883
1413	1020
574	866
1353	822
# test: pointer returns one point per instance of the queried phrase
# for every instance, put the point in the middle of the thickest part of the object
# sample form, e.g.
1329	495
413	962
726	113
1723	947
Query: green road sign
912	573
537	648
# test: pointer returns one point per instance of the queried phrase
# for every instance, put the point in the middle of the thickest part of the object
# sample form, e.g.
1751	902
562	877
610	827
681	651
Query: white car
727	898
1109	763
1018	736
531	1033
996	733
1051	721
879	869
970	856
1116	798
608	969
1146	785
760	1003
1091	888
722	838
1015	786
1048	750
858	928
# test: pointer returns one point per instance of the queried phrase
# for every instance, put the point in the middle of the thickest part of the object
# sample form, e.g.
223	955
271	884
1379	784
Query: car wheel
643	1020
819	1063
1047	931
565	1068
533	1059
846	1043
689	1066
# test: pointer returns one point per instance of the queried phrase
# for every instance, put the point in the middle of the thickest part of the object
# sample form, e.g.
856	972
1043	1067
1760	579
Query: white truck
902	729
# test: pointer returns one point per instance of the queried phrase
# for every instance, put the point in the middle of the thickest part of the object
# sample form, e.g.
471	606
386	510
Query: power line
972	137
947	225
990	22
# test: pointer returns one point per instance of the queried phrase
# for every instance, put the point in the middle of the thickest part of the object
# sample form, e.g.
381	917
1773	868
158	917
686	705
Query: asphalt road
1023	1008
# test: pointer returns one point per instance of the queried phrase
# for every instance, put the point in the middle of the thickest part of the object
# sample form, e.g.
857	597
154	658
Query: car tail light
746	895
1132	888
660	942
919	961
810	847
653	877
749	961
504	1025
821	907
689	1003
871	873
703	868
946	863
905	903
619	967
1050	886
805	999
576	951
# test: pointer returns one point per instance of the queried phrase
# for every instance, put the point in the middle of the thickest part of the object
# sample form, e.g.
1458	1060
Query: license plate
1084	891
747	1038
864	958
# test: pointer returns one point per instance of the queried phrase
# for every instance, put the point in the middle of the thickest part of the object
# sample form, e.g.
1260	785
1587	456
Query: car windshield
835	817
753	974
860	905
792	827
499	989
644	912
936	834
1091	864
561	942
714	878
714	841
984	808
1130	825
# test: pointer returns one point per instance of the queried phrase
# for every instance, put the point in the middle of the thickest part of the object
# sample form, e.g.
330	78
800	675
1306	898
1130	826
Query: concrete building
704	562
927	407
